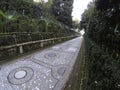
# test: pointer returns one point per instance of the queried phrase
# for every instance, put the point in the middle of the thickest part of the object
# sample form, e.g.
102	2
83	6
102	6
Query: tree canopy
31	13
62	10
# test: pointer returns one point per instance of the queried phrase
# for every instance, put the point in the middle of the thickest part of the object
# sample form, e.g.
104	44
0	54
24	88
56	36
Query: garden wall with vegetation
101	22
12	44
26	25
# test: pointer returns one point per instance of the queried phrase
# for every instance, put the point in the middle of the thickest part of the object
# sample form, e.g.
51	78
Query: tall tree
62	10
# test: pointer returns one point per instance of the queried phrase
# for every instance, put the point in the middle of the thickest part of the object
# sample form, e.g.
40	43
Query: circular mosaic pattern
20	75
61	70
51	55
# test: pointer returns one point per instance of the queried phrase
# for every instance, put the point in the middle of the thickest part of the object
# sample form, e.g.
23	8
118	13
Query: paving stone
37	76
44	70
57	59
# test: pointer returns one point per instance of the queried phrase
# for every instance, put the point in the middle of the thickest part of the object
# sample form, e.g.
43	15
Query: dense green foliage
101	22
21	16
62	10
28	16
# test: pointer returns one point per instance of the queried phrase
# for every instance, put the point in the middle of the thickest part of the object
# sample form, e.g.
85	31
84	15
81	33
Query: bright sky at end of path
78	8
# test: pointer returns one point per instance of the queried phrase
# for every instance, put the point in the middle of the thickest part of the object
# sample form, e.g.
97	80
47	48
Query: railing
18	42
17	39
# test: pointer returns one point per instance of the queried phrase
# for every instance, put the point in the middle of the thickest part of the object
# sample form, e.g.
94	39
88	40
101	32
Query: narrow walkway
44	70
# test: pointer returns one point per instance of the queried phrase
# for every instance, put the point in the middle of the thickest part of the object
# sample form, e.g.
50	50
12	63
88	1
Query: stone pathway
44	70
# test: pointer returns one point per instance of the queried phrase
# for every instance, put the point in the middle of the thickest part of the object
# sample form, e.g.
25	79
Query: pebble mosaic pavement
48	69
